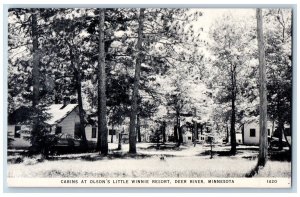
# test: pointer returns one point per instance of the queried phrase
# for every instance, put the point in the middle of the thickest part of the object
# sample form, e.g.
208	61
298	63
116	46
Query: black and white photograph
150	97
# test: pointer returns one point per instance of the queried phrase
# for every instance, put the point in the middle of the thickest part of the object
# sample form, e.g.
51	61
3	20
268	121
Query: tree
28	61
71	49
263	136
102	127
263	140
230	45
278	43
132	131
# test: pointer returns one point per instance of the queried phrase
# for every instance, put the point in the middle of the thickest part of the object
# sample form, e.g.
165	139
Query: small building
187	137
64	119
251	132
203	138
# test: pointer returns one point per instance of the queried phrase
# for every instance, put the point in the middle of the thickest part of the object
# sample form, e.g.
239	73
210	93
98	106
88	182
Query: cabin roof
58	112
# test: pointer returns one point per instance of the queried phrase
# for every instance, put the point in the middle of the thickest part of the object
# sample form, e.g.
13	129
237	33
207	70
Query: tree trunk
164	132
138	128
81	112
102	143
195	131
175	134
132	132
243	134
232	126
35	77
201	129
280	134
227	133
179	132
263	140
112	136
180	137
77	77
120	141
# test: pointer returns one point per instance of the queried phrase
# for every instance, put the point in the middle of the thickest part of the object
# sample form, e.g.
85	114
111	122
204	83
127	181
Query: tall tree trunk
102	142
132	132
243	133
180	137
175	134
227	133
81	112
138	128
179	133
232	125
195	129
263	140
77	77
35	77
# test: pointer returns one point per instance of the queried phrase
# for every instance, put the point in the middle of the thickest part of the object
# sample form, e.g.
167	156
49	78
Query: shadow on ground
250	153
164	147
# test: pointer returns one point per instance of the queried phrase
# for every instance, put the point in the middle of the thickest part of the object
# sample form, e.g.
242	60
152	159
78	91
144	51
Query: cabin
187	135
251	132
203	130
64	119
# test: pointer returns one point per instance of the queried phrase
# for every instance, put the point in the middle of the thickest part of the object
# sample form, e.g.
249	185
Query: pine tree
132	131
102	127
263	140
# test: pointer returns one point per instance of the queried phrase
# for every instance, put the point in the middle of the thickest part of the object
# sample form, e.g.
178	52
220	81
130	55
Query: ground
151	161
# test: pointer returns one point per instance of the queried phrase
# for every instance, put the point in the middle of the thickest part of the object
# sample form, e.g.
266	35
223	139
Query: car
65	143
68	140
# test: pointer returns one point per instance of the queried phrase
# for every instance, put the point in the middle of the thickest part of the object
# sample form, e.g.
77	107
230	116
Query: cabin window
189	138
94	132
269	132
17	128
58	130
252	132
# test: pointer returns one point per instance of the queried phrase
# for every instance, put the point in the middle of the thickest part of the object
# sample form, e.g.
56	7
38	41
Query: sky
211	15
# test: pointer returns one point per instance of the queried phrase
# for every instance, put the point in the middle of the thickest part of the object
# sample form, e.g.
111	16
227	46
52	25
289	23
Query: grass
188	167
188	162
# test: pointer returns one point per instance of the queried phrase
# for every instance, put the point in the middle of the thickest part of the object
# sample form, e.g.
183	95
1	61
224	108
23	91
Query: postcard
150	97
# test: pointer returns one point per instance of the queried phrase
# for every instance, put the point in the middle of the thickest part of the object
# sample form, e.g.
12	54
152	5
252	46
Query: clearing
151	161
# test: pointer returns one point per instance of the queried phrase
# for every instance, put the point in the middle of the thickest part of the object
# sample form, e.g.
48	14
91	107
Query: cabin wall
187	137
89	137
254	140
68	123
